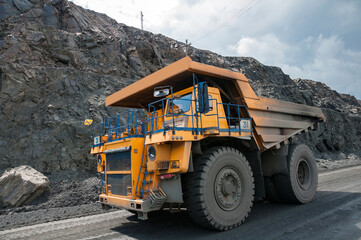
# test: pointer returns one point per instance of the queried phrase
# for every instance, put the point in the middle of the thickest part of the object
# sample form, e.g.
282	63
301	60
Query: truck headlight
151	153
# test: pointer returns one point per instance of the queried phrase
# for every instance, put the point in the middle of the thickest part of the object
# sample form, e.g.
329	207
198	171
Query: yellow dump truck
198	137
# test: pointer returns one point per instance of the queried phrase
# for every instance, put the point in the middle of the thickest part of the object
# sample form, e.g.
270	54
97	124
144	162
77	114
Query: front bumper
139	205
126	203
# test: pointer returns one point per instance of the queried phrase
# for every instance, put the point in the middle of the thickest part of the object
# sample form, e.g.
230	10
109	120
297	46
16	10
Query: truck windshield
181	104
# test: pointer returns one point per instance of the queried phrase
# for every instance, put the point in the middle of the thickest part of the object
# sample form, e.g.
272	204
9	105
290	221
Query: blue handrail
135	122
134	126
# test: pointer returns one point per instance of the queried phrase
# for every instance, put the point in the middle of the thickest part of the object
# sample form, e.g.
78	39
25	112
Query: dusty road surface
334	214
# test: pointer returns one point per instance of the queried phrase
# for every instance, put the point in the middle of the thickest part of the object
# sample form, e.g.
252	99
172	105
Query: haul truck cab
198	137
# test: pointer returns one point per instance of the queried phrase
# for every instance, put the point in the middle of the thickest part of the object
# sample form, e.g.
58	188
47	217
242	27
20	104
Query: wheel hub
303	174
228	188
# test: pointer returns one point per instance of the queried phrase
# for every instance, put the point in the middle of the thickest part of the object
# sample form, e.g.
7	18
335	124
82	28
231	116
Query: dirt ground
74	193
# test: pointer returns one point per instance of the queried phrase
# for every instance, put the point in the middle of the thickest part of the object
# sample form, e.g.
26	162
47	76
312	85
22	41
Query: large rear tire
220	192
300	185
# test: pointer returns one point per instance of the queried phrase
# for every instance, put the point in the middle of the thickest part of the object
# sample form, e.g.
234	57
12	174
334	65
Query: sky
318	40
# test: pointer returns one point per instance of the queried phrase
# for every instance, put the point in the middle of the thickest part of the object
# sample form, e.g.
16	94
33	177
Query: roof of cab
178	75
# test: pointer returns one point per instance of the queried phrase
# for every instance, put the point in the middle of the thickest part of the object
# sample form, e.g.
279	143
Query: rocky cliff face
59	61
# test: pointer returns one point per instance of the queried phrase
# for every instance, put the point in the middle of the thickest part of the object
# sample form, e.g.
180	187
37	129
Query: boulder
21	185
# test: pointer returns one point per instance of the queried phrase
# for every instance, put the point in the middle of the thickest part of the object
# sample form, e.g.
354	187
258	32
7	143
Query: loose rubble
343	161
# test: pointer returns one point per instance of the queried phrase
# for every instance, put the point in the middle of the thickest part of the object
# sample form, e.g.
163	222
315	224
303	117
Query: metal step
157	198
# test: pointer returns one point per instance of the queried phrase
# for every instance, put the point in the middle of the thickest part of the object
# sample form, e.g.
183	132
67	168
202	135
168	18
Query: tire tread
195	190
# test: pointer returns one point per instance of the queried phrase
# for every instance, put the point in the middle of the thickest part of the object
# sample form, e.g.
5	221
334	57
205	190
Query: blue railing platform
128	124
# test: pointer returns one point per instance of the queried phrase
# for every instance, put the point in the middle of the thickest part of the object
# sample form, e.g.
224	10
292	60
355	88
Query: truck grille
119	183
118	161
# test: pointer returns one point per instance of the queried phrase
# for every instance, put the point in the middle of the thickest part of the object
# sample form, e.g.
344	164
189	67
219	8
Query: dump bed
274	121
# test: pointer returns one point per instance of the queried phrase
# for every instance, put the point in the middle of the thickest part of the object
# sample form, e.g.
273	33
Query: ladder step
146	181
157	198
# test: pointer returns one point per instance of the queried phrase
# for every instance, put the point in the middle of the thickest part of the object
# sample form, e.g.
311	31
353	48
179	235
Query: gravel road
334	214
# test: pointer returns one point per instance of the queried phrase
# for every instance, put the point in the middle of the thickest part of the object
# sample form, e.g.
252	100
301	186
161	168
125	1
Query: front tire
221	191
300	185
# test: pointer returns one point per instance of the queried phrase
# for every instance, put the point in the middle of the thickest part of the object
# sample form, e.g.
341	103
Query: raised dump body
274	121
199	137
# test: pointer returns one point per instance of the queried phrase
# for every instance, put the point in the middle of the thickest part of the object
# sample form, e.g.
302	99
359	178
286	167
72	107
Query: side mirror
203	99
161	91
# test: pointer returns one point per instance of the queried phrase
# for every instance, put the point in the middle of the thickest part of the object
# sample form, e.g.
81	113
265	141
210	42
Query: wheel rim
228	188
303	174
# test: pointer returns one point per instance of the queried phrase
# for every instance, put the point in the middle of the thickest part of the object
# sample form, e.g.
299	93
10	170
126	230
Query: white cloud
331	62
268	49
